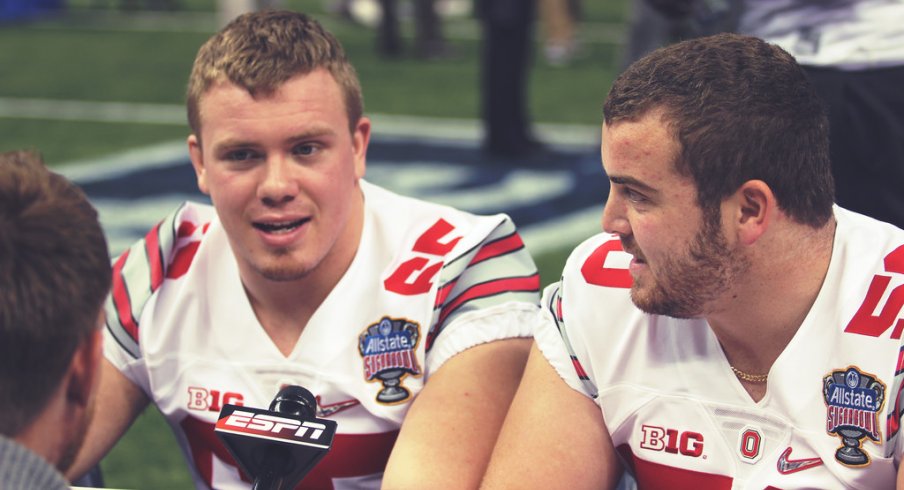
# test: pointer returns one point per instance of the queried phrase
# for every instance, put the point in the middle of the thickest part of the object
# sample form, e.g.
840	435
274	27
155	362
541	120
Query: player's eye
304	149
632	195
240	155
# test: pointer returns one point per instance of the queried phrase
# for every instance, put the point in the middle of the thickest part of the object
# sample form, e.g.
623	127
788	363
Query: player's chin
285	272
646	296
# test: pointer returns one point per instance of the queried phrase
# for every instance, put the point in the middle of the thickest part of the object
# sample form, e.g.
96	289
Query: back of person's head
260	51
741	109
54	277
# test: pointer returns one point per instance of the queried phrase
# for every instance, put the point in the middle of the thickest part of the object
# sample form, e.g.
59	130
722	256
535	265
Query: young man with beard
407	320
54	278
734	328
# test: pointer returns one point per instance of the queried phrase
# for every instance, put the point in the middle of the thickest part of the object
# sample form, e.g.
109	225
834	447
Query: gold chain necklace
752	378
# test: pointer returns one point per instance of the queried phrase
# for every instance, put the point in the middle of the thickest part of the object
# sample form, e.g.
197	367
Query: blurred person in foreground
54	277
733	328
407	320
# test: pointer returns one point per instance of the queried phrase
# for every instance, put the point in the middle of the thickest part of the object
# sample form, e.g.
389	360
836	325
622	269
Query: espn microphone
279	446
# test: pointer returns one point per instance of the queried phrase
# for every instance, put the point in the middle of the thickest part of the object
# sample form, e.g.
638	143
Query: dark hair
54	277
260	51
741	109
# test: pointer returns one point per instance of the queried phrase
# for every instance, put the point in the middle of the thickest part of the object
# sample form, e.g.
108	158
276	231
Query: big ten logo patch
415	275
389	351
687	443
881	308
212	400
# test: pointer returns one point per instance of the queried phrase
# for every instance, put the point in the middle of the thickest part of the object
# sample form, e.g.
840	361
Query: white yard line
467	130
92	111
566	230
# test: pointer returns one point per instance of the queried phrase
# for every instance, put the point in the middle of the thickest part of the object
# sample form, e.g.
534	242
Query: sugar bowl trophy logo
853	401
388	349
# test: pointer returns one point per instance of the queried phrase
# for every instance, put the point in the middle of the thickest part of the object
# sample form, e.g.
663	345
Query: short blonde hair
260	51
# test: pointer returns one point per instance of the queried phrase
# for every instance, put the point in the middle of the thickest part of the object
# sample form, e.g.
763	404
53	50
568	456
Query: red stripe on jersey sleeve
894	418
578	368
182	260
443	293
893	422
499	247
490	288
900	366
186	228
155	257
120	295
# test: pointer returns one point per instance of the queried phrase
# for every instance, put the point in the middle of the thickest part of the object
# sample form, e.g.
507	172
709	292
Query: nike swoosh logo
787	466
334	408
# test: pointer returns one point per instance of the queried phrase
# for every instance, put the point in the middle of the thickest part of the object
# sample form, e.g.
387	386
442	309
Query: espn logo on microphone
264	424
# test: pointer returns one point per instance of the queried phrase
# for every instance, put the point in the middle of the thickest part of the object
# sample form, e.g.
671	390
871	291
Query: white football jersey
678	416
427	282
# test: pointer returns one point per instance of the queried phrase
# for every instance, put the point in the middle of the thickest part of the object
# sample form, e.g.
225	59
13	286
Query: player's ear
753	205
197	162
360	140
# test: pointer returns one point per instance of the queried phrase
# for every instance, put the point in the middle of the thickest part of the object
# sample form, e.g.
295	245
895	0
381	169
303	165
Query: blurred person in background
560	39
853	51
54	277
505	59
230	9
657	23
429	42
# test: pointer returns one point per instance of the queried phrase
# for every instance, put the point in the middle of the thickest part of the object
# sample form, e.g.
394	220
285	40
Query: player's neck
757	319
283	308
48	433
283	330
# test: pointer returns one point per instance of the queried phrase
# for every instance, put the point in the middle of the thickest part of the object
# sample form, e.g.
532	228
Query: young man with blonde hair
406	319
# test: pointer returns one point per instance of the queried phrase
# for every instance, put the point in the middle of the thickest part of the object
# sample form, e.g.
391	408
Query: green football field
93	80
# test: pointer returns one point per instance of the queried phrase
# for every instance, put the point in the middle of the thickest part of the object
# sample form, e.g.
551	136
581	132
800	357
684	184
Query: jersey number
865	322
595	271
415	275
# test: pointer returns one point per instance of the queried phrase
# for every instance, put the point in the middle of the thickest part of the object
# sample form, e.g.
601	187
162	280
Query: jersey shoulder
463	261
165	253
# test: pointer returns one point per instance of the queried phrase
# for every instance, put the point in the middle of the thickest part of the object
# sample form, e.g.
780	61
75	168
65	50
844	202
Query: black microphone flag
279	446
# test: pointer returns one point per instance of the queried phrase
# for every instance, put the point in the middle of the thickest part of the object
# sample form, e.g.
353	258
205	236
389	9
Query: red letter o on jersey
751	445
